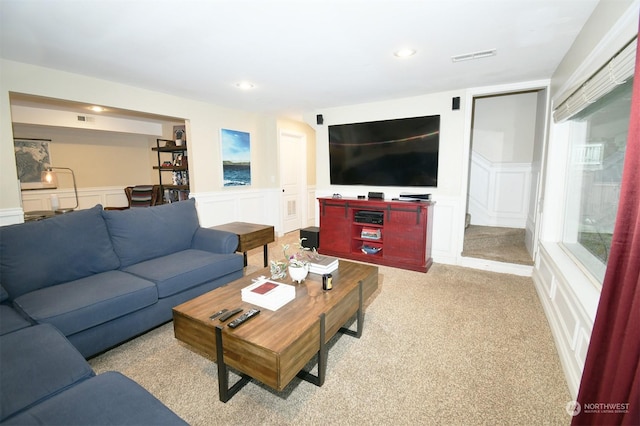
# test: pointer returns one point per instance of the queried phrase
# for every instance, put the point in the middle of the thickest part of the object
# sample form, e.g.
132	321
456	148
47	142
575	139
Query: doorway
505	158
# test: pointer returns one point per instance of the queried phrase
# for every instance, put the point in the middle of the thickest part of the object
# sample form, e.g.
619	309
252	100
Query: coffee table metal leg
322	359
226	392
359	316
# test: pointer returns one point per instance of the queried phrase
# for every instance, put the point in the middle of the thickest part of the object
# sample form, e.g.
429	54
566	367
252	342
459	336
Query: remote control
217	314
229	314
244	317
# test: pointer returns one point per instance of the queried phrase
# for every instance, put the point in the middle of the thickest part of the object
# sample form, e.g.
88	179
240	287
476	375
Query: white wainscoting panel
214	208
570	302
511	195
312	206
246	205
216	211
35	200
480	181
251	208
87	197
446	221
499	193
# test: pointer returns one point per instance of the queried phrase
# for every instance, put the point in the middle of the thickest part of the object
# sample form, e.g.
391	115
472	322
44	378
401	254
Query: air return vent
474	55
85	119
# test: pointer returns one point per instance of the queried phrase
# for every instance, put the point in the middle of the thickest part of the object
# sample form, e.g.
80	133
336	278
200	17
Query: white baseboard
493	266
11	216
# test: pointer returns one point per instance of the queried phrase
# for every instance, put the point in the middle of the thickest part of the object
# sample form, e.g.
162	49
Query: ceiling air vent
474	55
85	119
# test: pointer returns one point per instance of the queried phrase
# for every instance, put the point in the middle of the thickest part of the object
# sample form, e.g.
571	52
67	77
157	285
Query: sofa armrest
37	363
215	241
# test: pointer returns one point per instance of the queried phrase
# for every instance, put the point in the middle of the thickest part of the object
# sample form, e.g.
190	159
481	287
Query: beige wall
504	127
97	158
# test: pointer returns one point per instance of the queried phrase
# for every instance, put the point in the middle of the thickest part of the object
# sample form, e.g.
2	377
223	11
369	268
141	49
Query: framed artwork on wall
32	158
236	157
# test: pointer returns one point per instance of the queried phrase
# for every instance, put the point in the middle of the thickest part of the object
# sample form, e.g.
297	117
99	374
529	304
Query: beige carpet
496	243
454	346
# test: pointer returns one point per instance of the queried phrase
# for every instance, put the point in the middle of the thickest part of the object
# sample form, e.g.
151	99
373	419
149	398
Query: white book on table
268	294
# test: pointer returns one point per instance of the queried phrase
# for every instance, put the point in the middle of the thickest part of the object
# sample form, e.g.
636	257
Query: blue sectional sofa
46	381
102	277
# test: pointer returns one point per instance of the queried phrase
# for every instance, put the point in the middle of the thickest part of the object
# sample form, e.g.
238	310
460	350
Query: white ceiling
302	55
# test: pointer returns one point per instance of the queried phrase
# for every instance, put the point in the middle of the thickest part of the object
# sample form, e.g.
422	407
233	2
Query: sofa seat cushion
78	305
64	248
37	362
10	320
107	399
143	234
186	269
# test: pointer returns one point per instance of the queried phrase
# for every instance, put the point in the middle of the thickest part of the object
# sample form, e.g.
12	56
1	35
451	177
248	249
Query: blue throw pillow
67	247
146	233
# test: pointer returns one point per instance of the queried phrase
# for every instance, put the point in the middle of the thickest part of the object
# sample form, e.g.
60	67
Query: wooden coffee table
274	346
250	236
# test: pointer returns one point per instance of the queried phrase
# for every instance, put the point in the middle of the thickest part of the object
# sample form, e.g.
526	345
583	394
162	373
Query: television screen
398	152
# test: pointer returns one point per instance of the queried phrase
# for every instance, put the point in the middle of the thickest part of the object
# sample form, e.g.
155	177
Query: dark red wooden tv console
402	239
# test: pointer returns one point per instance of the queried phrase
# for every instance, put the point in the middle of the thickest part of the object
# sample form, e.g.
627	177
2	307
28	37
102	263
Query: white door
293	177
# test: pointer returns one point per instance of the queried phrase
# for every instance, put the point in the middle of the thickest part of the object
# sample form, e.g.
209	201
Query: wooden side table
250	236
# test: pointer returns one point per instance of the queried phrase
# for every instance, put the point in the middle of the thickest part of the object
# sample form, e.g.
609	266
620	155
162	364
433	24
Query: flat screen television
397	152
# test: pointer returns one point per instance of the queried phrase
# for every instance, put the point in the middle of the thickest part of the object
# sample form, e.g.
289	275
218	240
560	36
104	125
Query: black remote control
217	314
244	317
230	314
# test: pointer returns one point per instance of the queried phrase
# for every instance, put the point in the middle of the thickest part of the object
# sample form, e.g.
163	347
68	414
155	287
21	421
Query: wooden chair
141	196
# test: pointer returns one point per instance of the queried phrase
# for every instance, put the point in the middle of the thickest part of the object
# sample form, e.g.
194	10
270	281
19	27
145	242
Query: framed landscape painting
32	158
236	157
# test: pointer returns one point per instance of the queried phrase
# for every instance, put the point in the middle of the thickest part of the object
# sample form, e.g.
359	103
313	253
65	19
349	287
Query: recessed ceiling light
474	55
404	53
245	85
96	108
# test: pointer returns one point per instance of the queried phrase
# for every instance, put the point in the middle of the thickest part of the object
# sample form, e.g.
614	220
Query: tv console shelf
393	233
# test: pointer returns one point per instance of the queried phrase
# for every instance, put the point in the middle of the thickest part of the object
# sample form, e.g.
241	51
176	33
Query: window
598	139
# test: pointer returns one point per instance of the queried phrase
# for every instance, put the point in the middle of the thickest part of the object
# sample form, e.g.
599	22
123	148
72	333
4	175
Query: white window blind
612	74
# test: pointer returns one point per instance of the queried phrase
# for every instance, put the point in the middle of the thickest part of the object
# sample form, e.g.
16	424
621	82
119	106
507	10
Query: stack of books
321	264
370	233
268	294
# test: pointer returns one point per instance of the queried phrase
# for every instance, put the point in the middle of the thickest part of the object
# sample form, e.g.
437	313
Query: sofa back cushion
143	234
67	247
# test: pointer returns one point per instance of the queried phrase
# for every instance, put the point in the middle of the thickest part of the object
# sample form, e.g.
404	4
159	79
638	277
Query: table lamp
49	176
